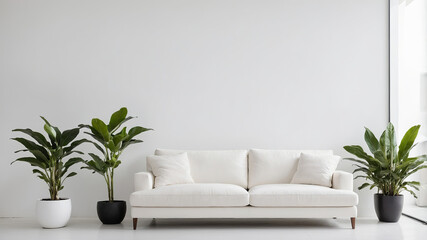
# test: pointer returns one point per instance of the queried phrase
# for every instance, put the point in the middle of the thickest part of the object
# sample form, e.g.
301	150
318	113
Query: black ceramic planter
388	208
111	212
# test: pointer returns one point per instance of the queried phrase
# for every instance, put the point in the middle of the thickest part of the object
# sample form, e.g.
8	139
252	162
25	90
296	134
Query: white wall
213	74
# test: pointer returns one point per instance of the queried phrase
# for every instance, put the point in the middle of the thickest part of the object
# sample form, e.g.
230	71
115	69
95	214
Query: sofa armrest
342	180
143	181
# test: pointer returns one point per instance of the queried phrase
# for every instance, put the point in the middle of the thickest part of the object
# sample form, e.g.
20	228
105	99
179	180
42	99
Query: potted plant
387	169
111	143
48	160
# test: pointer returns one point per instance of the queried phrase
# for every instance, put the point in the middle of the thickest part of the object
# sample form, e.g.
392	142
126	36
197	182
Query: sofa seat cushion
299	195
192	195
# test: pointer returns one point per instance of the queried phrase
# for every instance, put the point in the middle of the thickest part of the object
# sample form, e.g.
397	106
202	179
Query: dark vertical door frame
389	58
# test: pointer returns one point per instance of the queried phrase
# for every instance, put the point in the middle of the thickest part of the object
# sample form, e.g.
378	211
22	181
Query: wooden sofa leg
353	222
135	222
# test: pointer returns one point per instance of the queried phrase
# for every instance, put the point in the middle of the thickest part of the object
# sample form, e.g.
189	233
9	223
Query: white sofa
243	184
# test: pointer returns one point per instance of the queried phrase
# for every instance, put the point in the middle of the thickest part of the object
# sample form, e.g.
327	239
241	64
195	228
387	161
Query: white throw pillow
316	169
275	166
223	166
170	169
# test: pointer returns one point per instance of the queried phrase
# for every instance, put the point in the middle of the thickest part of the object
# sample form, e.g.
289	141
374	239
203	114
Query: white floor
200	229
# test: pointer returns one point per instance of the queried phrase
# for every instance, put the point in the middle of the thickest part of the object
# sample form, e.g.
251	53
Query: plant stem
112	185
53	193
107	180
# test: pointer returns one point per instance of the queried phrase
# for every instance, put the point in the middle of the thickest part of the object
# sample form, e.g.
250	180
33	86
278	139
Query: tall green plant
111	143
48	157
389	166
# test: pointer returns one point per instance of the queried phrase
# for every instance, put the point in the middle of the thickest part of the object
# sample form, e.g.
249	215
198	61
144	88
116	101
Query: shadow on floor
242	223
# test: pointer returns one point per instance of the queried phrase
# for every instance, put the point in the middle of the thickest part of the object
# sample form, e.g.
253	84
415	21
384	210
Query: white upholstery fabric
315	169
170	169
228	166
275	166
143	181
244	212
342	180
299	195
192	195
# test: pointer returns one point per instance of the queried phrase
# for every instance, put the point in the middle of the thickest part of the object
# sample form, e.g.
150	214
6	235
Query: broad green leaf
117	139
415	185
383	144
38	171
58	136
44	119
359	176
392	136
50	131
363	186
112	146
98	147
44	178
69	135
135	131
70	175
42	175
22	150
70	162
33	161
121	123
361	169
117	118
110	163
116	164
101	128
91	165
391	139
416	170
36	136
100	164
127	143
410	191
358	161
100	139
358	152
75	144
409	161
407	141
30	145
371	141
40	156
95	134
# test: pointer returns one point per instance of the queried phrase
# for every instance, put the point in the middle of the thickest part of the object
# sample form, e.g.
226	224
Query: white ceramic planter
53	213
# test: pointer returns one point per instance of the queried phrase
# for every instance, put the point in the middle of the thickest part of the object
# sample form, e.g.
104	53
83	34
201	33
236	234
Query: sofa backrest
225	166
275	166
